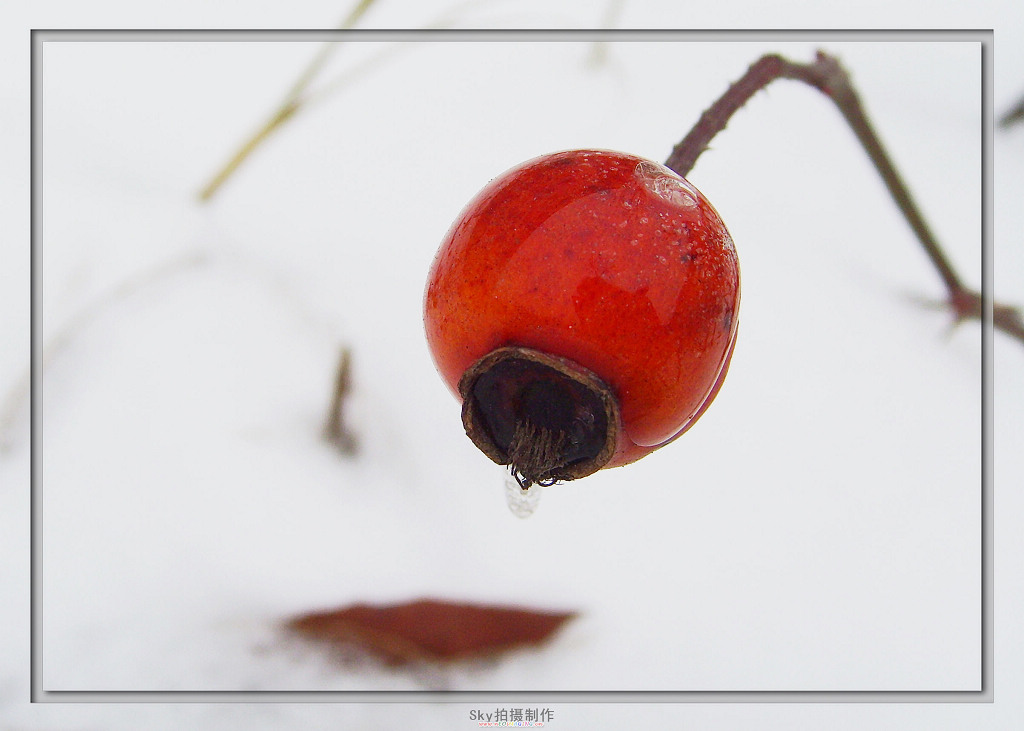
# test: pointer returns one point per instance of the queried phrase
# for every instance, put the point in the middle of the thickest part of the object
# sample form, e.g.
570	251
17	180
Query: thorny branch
829	77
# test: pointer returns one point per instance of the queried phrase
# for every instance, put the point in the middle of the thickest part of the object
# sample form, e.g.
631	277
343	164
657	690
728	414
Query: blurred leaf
430	630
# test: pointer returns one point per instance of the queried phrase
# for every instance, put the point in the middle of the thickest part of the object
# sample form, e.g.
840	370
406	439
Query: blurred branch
289	105
829	77
335	431
599	49
1014	116
19	393
12	403
300	96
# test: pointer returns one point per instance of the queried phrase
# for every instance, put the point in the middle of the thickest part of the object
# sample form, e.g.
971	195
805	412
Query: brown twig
335	430
828	76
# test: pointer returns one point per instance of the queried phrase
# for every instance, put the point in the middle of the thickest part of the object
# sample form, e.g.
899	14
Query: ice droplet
666	184
521	502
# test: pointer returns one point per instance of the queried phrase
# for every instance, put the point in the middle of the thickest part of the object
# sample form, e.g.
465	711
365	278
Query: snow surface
819	529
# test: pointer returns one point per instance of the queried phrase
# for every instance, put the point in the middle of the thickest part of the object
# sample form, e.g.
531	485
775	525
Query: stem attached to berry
829	77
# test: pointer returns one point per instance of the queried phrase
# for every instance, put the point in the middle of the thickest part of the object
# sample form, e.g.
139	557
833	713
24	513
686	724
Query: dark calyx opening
546	417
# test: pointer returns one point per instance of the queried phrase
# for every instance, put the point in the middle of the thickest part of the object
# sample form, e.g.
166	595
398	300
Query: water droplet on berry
521	502
665	184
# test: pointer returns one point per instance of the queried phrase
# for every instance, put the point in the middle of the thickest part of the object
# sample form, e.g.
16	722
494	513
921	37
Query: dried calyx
545	417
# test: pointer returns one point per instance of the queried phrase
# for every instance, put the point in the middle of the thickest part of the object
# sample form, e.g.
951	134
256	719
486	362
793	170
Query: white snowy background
818	530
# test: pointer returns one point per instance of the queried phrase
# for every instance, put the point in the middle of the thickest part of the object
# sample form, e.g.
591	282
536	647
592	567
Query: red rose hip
584	308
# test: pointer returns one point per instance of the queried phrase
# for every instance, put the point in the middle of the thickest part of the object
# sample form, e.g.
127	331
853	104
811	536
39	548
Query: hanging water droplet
521	502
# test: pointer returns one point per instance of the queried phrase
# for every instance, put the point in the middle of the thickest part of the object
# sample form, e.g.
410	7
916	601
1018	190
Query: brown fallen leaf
429	630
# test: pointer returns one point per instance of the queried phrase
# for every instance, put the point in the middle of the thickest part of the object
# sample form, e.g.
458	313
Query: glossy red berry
584	308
